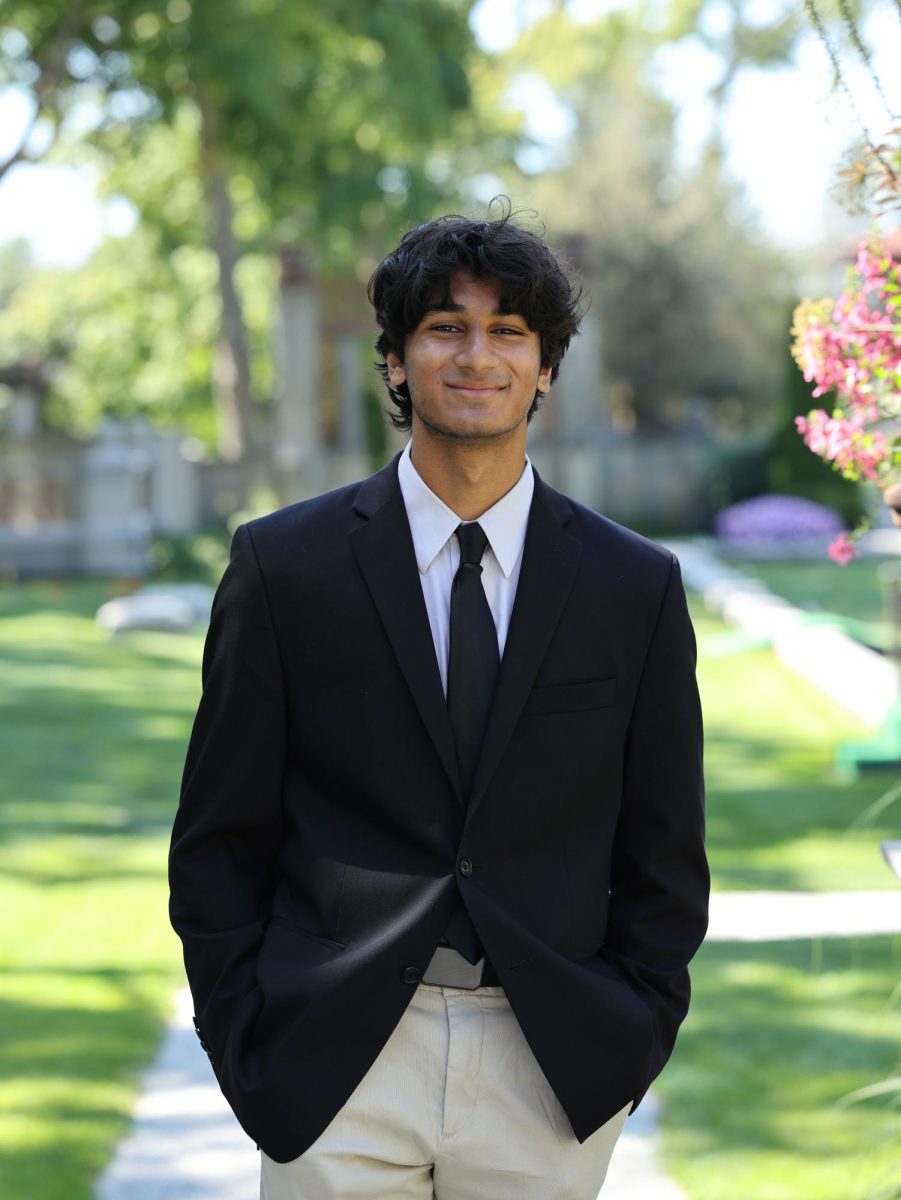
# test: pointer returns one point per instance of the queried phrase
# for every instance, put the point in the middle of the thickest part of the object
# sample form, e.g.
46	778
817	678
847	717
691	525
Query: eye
445	327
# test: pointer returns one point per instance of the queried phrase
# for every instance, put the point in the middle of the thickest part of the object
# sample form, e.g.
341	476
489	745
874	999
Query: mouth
476	390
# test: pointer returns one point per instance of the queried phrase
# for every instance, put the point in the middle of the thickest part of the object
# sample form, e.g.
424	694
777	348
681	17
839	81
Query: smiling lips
478	389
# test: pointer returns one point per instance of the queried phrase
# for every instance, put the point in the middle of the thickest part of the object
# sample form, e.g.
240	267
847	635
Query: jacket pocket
277	919
571	697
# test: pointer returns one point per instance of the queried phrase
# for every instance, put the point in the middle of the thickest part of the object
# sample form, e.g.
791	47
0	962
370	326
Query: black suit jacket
315	855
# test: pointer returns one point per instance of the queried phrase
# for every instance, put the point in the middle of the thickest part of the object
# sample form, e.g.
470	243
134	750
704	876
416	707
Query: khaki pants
454	1108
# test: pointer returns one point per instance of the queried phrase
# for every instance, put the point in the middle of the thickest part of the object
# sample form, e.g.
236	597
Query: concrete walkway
860	680
186	1145
786	916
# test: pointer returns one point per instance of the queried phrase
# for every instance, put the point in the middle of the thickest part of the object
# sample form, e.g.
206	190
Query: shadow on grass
778	1033
779	818
94	734
96	747
54	1039
72	1043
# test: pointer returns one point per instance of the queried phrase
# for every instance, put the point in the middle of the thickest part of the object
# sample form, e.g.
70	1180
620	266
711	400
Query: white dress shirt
433	525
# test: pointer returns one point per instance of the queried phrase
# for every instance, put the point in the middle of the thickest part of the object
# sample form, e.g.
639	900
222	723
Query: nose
476	353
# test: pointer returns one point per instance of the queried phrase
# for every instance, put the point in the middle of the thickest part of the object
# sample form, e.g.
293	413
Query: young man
438	865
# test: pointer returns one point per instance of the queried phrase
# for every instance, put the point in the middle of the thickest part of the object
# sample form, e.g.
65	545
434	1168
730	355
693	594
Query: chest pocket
571	697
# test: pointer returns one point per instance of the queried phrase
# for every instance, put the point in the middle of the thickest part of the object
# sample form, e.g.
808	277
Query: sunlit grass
777	1036
818	585
778	1033
93	735
778	814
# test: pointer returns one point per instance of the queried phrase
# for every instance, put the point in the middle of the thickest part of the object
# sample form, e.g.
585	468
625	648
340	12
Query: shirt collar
432	523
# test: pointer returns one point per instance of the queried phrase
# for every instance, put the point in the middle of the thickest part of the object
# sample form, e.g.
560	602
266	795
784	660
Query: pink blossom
851	347
842	549
845	441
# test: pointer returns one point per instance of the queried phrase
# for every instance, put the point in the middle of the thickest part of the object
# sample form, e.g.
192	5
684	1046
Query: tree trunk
231	370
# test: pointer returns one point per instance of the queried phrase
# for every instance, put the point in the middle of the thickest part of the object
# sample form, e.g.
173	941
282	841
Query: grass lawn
819	585
778	817
93	738
777	1035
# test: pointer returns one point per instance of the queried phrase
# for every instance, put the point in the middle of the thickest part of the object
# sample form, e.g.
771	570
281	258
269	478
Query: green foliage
740	470
131	333
376	426
199	557
157	168
244	126
684	288
329	114
15	265
735	34
338	126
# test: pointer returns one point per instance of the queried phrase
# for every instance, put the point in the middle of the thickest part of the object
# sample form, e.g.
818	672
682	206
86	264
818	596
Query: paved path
854	676
782	916
186	1145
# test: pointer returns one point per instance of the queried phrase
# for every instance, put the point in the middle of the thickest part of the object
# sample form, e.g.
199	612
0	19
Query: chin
476	432
473	426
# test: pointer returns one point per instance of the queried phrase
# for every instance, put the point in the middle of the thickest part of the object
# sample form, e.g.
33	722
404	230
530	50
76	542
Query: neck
469	478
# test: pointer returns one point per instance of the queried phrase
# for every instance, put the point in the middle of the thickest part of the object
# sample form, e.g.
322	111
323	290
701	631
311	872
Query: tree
691	300
327	111
132	332
734	33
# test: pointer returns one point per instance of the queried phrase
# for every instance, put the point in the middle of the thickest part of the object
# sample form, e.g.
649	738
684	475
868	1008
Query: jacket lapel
384	551
550	560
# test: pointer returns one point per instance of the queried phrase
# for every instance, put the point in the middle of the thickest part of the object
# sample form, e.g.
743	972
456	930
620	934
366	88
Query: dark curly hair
532	283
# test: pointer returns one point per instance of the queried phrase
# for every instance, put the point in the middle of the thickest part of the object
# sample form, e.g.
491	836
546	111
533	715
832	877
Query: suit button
465	867
411	975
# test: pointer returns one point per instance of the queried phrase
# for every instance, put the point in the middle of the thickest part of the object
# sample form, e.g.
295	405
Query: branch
857	43
816	21
51	67
20	154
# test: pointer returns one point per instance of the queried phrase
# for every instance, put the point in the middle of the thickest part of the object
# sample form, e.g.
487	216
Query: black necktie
472	669
473	661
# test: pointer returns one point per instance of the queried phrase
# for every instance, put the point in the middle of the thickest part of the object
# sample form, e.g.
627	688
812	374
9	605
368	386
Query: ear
544	379
396	373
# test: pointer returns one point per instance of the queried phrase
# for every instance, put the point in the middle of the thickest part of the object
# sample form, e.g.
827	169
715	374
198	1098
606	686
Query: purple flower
767	517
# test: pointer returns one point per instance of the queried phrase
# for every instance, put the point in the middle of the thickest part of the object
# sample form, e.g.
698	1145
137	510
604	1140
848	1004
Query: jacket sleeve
660	880
225	842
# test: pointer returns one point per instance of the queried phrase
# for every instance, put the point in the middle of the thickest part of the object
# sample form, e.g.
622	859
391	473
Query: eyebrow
452	306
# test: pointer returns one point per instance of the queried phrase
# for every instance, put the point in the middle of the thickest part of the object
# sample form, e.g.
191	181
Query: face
472	371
